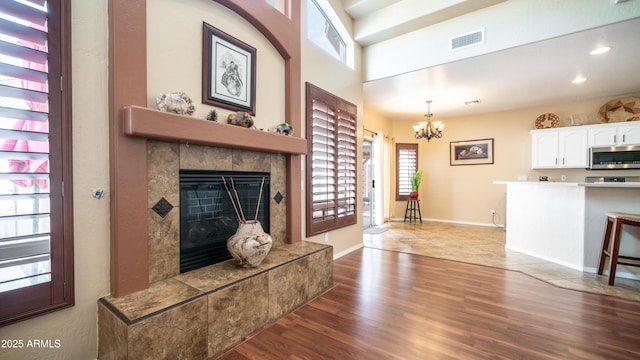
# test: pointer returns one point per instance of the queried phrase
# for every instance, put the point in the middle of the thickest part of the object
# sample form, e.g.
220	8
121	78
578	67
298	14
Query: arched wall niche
129	266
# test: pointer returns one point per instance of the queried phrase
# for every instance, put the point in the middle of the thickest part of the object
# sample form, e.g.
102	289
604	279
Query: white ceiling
531	75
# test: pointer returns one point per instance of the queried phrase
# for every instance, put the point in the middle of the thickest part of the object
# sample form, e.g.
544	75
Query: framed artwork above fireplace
228	71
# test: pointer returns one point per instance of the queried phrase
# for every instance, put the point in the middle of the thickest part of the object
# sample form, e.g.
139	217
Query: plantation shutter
24	147
331	162
407	165
32	252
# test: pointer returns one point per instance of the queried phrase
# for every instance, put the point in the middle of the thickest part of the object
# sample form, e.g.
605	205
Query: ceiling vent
465	40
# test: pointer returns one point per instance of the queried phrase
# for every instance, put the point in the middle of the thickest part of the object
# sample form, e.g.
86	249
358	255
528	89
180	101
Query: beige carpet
485	246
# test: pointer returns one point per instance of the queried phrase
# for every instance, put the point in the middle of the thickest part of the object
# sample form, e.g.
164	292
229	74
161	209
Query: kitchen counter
554	183
563	222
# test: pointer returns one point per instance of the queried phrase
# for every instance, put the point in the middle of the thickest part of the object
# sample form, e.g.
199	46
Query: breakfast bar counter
564	222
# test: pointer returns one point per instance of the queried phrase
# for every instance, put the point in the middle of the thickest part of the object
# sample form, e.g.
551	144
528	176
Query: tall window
406	165
325	30
36	246
331	161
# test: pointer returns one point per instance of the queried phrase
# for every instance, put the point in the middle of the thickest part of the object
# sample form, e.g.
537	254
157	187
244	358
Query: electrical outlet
493	212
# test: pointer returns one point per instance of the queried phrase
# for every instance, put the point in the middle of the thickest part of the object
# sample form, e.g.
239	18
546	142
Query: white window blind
25	252
407	165
331	163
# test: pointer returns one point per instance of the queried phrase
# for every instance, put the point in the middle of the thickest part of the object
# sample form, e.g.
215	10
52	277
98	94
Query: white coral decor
177	102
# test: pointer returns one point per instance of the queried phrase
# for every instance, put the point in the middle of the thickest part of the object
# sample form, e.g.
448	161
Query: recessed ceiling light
600	50
579	79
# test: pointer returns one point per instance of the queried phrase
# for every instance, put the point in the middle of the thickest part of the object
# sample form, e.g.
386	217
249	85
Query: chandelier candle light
427	129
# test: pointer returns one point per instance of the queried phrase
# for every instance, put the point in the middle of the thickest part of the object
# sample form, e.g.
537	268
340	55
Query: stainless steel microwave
615	157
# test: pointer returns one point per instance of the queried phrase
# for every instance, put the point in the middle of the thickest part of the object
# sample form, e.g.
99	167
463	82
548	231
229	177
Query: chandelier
427	129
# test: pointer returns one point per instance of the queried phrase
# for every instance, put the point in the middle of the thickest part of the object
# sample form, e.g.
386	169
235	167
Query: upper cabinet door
573	149
602	136
622	134
551	149
628	134
544	150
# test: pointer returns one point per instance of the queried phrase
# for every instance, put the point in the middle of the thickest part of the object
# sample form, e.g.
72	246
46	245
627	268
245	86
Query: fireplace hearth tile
162	207
278	197
320	272
236	312
217	275
173	318
112	335
160	295
288	288
179	333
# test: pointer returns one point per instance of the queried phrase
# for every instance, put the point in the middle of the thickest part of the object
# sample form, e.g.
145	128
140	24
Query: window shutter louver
407	165
32	264
331	163
24	147
324	162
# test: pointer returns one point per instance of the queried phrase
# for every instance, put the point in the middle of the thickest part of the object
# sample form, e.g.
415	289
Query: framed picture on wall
228	71
471	152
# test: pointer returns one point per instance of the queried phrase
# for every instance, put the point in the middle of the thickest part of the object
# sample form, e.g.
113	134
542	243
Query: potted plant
416	178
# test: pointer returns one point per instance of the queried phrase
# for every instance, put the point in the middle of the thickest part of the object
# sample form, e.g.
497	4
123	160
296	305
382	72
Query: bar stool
615	220
413	207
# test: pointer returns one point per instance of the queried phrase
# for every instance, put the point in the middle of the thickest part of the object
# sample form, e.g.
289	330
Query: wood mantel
158	125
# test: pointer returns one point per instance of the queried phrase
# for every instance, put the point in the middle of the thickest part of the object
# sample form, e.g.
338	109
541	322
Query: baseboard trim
453	222
347	251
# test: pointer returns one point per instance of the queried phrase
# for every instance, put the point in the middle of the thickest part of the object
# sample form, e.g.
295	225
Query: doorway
368	197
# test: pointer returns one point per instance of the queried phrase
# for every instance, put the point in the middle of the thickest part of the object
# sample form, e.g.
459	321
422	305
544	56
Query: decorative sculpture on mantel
284	129
212	116
177	102
240	118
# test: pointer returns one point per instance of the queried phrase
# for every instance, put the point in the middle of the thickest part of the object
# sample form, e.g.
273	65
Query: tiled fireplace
212	203
165	160
200	313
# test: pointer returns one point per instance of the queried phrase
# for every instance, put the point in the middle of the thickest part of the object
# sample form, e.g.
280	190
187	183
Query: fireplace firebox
208	217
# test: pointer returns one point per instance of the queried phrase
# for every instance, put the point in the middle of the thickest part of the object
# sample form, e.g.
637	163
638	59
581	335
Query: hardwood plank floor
484	245
391	305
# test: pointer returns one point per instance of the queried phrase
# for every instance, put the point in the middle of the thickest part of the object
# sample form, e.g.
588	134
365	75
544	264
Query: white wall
174	56
326	72
76	327
507	24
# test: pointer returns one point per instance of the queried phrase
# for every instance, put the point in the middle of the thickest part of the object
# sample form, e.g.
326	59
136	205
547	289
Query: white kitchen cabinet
617	134
544	149
573	150
559	148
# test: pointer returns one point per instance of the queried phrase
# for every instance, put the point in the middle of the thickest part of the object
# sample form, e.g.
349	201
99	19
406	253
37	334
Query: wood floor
392	305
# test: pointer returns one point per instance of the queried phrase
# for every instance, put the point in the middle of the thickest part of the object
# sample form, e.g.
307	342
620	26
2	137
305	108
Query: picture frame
471	152
228	71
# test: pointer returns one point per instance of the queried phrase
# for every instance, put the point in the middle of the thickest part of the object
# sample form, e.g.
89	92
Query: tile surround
164	163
